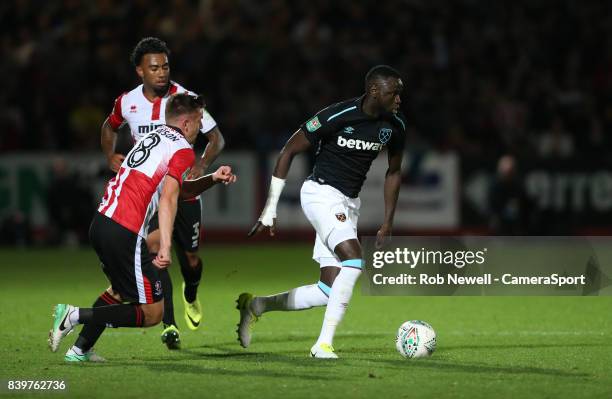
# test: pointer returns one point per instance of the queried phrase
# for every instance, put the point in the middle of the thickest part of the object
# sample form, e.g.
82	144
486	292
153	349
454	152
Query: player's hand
259	227
195	172
163	258
224	175
383	235
115	161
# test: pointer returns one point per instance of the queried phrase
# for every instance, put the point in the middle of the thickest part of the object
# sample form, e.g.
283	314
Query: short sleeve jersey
347	141
144	116
164	151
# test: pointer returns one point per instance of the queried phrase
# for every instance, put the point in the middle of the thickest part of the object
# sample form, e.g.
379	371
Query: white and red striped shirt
144	116
164	151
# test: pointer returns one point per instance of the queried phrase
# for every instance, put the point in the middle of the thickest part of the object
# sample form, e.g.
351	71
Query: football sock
299	298
339	298
129	315
74	317
192	278
91	332
78	350
164	277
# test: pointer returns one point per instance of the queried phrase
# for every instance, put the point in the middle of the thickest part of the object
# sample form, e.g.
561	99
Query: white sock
73	316
339	298
299	298
77	350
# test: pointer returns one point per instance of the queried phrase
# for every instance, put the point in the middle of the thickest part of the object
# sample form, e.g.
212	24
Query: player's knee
193	259
153	248
153	242
349	249
114	294
153	313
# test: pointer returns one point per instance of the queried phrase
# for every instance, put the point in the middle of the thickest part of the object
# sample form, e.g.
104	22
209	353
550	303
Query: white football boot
323	351
247	319
61	324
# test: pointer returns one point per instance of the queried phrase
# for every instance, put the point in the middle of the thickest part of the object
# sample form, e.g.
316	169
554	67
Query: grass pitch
539	347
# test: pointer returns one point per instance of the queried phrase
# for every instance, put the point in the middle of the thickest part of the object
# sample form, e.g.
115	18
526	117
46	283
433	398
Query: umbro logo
132	108
348	130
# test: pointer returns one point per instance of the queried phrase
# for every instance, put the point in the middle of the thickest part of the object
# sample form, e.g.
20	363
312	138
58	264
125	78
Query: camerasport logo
341	217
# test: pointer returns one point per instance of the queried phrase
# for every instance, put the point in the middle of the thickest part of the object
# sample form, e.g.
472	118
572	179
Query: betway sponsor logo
359	144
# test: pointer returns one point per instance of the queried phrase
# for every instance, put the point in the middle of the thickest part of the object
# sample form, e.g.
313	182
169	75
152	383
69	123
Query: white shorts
334	217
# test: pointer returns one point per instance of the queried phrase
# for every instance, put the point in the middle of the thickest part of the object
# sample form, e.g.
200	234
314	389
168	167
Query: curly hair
148	45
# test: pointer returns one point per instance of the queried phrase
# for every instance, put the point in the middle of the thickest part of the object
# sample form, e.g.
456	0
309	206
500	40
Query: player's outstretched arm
393	180
108	139
216	143
296	144
193	188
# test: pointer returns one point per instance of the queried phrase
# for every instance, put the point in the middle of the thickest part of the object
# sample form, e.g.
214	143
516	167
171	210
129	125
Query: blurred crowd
481	77
494	81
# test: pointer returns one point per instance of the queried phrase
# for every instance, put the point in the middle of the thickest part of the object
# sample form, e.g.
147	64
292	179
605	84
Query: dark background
529	79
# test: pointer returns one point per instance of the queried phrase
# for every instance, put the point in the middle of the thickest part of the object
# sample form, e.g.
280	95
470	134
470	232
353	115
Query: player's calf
300	298
66	317
339	298
191	268
90	333
328	274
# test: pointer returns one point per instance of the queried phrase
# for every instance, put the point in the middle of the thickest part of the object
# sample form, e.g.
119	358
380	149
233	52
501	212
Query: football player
347	137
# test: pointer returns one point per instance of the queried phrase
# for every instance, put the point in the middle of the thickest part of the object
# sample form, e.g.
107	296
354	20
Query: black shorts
125	261
186	232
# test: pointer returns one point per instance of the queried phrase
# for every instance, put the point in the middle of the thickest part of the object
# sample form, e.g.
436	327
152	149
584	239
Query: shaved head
380	72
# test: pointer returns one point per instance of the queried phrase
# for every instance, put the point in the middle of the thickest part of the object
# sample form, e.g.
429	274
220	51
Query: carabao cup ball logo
384	134
410	341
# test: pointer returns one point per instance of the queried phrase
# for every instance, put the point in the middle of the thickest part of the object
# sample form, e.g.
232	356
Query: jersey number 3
139	155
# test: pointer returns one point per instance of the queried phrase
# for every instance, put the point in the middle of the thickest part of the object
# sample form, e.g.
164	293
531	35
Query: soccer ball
415	338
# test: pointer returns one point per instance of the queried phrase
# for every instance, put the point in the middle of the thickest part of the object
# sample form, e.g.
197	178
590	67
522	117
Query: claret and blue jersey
347	141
